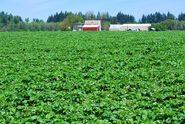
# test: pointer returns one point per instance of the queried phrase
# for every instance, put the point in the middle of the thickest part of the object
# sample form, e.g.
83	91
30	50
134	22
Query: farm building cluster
95	25
90	25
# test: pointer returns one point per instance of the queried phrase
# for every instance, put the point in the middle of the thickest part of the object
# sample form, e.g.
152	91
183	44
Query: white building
129	27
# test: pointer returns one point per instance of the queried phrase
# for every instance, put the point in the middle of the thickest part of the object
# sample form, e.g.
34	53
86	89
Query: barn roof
90	26
92	22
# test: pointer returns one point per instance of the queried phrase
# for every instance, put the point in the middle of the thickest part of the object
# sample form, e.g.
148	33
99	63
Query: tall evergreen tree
144	19
170	16
123	18
108	16
98	16
181	17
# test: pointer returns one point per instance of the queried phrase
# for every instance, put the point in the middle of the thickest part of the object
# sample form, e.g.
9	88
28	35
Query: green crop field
92	77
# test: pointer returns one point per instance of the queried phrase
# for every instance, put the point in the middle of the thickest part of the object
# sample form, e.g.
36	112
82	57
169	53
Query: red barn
92	25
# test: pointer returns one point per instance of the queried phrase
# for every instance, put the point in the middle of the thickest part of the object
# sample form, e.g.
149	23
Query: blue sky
43	8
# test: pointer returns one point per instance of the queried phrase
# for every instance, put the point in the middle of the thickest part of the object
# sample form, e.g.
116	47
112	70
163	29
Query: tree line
120	18
67	20
156	17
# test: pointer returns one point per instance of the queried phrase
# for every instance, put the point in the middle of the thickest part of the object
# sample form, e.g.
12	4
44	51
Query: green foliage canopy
92	77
